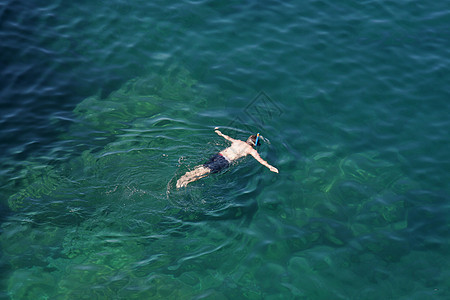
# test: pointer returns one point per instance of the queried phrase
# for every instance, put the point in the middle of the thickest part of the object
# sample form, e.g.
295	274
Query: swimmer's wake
224	158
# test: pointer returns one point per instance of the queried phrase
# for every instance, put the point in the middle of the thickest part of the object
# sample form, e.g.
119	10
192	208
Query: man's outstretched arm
255	154
223	135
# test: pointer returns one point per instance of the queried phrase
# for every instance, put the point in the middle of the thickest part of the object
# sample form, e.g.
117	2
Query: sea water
105	104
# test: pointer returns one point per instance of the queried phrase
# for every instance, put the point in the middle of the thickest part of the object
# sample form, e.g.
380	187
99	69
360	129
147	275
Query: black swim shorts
217	163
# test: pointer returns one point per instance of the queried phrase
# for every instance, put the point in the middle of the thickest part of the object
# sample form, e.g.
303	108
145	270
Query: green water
107	104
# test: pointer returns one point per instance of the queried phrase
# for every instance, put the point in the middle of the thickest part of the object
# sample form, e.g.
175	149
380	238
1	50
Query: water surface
105	104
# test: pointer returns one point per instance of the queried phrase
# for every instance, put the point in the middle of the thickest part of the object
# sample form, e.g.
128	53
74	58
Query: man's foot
181	183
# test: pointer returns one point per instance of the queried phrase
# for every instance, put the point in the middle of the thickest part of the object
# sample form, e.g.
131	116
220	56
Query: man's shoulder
241	146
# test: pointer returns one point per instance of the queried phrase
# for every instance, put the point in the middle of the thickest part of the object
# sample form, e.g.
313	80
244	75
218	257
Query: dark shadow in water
5	270
427	220
5	212
39	80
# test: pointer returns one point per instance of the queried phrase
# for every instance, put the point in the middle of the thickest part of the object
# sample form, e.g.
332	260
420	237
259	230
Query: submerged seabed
106	222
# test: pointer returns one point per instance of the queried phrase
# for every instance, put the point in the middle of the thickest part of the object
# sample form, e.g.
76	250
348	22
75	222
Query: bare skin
238	149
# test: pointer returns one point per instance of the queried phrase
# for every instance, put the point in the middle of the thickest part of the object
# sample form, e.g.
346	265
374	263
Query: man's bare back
222	160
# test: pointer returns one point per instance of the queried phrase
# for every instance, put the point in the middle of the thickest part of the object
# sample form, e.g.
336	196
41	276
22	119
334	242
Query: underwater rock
103	197
300	266
32	283
269	273
358	198
189	278
138	98
38	182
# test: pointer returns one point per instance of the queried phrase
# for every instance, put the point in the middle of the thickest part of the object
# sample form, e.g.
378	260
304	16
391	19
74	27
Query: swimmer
223	159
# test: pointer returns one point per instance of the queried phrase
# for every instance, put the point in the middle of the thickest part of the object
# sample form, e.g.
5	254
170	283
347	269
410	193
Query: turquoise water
105	104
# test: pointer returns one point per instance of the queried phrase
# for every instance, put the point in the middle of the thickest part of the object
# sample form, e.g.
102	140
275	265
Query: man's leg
197	173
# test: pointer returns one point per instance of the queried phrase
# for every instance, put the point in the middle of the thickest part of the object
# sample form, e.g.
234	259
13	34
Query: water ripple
105	105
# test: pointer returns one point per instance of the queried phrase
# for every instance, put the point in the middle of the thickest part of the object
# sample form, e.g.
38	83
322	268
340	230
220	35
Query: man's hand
273	169
216	128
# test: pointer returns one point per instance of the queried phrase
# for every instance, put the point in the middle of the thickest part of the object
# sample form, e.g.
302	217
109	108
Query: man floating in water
223	159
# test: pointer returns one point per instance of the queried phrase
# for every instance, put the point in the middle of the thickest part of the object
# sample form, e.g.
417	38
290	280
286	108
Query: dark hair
251	141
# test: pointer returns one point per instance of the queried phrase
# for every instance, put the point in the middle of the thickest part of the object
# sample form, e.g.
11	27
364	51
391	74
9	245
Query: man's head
252	139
